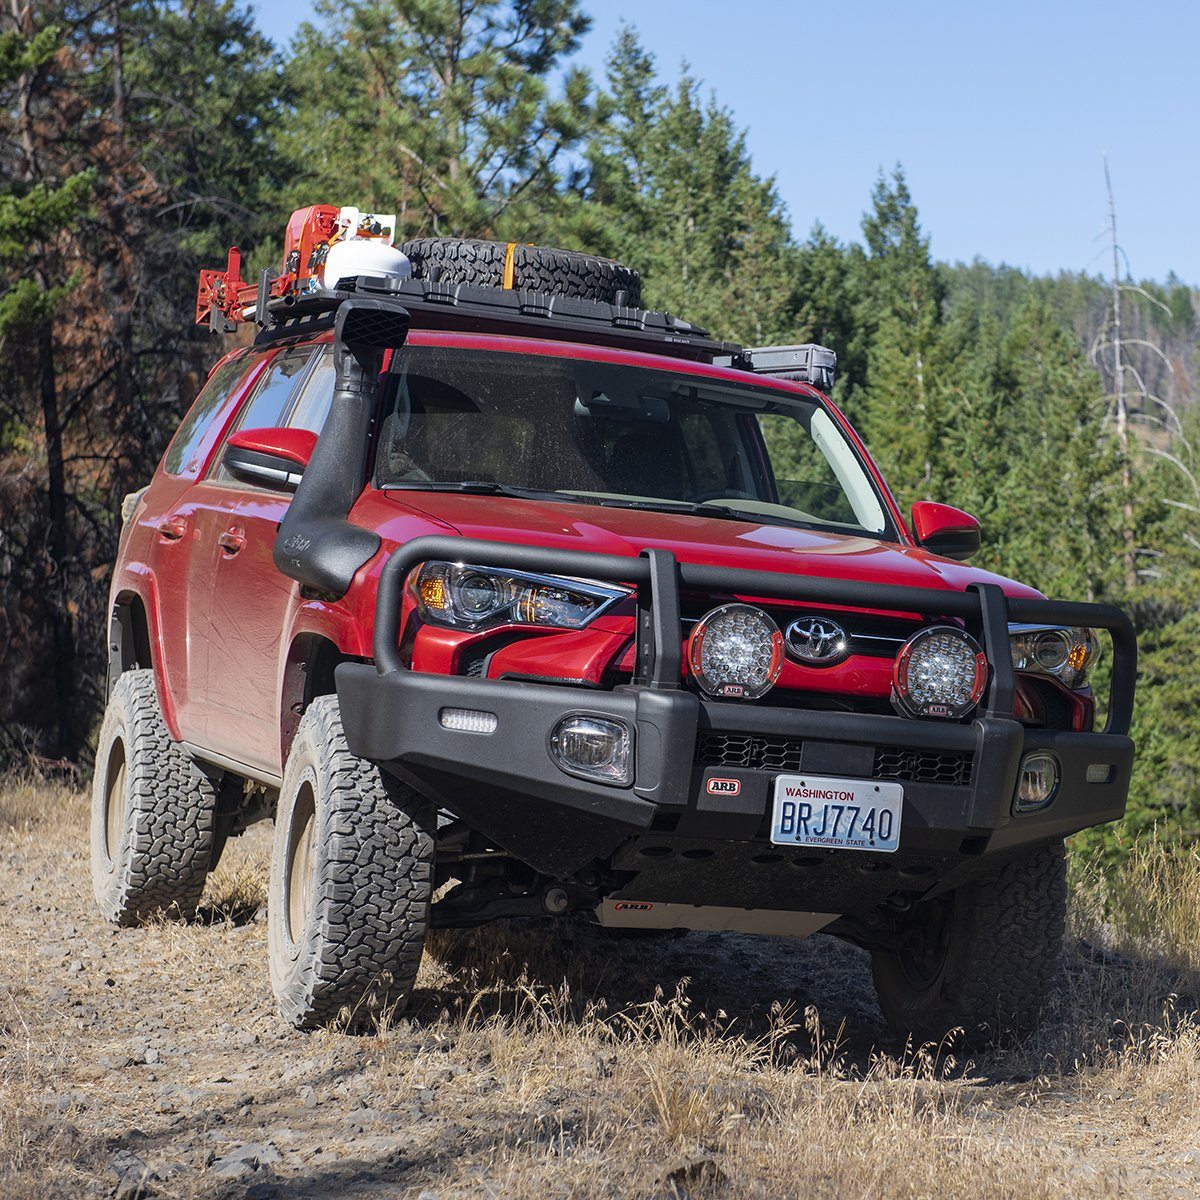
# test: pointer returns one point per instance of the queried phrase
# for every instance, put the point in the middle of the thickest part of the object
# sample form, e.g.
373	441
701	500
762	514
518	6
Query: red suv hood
699	540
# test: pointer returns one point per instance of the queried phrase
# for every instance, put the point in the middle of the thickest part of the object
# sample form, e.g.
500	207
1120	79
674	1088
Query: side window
268	403
182	457
266	407
313	405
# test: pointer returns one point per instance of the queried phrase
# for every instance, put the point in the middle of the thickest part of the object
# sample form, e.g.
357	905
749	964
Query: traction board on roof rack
479	309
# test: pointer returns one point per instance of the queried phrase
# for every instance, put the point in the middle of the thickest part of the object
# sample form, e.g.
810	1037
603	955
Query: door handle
171	529
232	540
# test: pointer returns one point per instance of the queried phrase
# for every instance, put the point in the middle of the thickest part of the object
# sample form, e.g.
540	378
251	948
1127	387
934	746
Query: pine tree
35	280
117	149
32	210
825	303
440	111
898	313
214	148
1054	510
972	452
678	198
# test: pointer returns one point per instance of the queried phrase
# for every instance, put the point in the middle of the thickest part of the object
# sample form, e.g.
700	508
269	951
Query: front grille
752	750
922	766
767	752
870	635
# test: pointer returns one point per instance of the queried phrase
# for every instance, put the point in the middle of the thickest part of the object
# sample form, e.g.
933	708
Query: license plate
837	814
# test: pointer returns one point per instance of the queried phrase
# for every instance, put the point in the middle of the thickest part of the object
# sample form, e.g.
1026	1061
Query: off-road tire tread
173	808
1005	959
535	268
372	889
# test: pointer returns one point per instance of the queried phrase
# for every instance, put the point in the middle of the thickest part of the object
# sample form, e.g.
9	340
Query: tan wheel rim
114	802
300	863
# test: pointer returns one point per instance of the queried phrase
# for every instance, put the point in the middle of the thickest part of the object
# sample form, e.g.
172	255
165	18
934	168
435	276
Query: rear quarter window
185	456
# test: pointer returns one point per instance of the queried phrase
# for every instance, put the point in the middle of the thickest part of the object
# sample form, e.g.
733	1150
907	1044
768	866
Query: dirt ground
547	1061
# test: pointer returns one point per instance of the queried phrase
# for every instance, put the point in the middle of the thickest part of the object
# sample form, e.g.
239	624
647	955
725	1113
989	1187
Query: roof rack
433	304
294	301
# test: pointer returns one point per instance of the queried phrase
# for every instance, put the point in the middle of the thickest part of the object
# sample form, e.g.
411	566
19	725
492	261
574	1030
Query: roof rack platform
474	308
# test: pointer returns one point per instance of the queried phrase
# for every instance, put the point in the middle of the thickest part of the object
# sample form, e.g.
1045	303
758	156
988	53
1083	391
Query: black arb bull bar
506	785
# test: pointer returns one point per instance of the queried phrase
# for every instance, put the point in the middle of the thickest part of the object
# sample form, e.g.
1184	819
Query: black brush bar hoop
660	578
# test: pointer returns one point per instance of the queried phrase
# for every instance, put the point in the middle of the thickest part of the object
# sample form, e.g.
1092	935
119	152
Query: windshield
602	433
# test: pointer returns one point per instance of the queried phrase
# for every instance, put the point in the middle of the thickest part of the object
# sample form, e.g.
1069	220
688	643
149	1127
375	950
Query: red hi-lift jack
225	300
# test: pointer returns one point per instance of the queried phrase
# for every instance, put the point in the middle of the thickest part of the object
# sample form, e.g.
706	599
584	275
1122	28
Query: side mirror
943	530
273	458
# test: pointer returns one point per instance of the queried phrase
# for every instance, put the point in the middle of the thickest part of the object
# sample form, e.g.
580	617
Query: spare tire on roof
534	268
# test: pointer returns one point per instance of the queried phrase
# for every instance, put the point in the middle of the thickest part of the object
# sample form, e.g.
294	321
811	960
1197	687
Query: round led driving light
940	672
735	652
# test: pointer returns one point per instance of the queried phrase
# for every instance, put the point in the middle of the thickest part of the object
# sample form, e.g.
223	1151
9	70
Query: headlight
474	598
735	652
1067	653
939	672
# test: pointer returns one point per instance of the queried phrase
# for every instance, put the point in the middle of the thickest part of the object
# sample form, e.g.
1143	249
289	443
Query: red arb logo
632	906
724	787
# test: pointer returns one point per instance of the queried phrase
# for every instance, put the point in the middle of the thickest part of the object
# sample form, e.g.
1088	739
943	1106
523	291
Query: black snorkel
316	545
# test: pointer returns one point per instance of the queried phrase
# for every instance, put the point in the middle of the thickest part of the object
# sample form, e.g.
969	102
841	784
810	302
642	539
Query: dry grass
543	1060
29	803
237	890
1150	908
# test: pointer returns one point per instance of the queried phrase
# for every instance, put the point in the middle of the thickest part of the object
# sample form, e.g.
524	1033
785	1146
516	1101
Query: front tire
984	958
153	812
351	879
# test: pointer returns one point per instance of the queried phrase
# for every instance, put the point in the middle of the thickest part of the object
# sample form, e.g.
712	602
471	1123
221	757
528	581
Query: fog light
468	720
593	748
1038	782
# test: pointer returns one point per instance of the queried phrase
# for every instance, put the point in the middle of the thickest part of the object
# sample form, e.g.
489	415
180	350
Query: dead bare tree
1120	352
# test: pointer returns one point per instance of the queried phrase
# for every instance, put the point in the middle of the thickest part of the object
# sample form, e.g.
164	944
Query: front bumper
665	838
683	845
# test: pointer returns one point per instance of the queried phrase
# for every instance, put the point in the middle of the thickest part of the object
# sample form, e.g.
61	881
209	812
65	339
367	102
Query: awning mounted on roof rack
809	363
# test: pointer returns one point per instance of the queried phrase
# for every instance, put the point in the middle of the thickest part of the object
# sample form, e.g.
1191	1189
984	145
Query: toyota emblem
817	641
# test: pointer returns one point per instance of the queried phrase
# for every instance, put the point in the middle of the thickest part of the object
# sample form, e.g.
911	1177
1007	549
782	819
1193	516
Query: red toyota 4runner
488	585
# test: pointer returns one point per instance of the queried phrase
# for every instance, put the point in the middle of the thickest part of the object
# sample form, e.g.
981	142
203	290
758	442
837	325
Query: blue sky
999	112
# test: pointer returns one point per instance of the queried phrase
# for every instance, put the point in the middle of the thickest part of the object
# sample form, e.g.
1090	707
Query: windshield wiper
486	487
706	509
480	487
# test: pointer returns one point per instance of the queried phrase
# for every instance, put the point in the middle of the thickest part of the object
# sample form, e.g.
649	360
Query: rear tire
153	812
535	268
983	959
351	879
